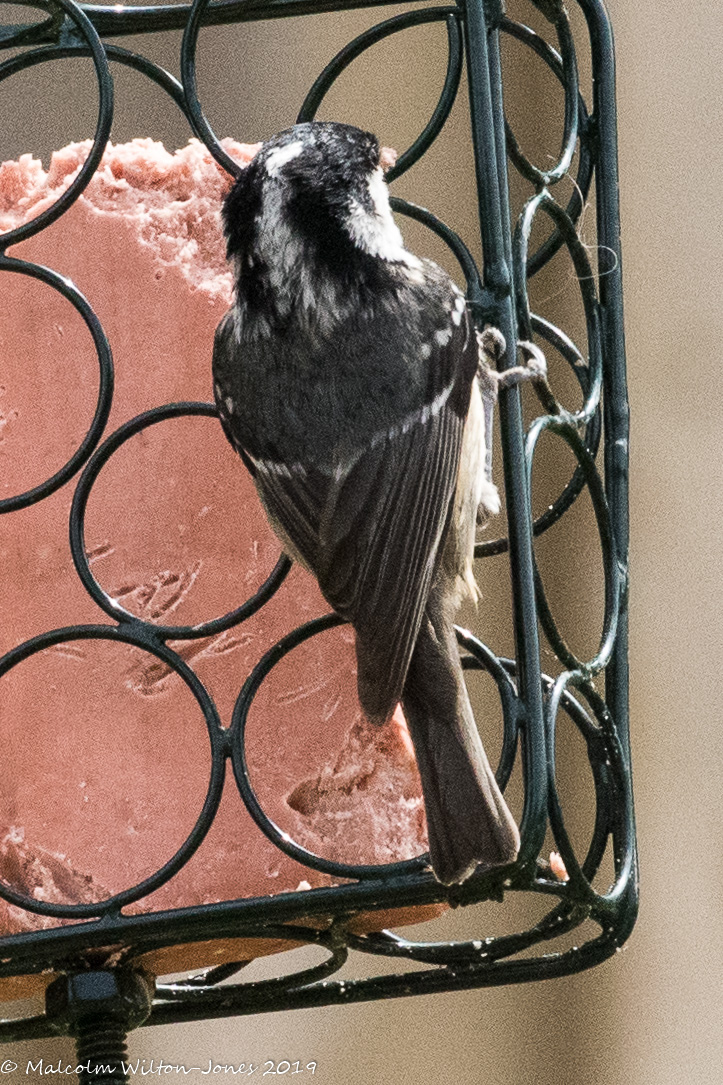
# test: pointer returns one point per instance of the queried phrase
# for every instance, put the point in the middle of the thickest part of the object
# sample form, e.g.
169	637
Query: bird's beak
387	158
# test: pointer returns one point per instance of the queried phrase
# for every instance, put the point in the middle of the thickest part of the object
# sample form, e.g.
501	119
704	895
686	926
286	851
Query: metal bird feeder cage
96	998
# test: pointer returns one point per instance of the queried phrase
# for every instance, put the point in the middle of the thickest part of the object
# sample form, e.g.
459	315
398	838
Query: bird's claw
535	360
493	347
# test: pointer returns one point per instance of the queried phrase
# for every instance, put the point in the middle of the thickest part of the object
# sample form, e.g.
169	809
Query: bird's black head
320	182
309	226
323	157
310	168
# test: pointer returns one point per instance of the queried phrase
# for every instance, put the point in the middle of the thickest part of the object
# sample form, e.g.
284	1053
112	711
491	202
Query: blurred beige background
651	1016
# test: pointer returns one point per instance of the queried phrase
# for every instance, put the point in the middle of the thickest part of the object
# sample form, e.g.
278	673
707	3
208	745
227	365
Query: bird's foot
492	350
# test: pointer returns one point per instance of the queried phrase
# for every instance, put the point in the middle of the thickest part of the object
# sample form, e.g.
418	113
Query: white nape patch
293	280
229	404
443	336
278	158
378	233
280	247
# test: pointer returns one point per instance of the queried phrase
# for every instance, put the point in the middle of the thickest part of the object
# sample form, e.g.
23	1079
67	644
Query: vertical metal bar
615	396
616	412
497	306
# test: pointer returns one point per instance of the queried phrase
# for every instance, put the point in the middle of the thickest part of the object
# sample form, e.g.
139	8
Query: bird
347	376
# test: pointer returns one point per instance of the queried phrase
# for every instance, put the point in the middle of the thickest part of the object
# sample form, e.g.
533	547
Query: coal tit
346	377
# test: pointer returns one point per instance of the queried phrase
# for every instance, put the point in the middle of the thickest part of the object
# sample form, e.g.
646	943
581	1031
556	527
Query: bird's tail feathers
469	824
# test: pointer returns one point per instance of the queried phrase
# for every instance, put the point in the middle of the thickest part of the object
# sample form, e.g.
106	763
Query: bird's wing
371	533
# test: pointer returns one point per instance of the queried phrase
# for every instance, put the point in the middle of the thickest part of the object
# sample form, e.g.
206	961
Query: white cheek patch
378	233
459	307
443	336
380	195
425	350
278	158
